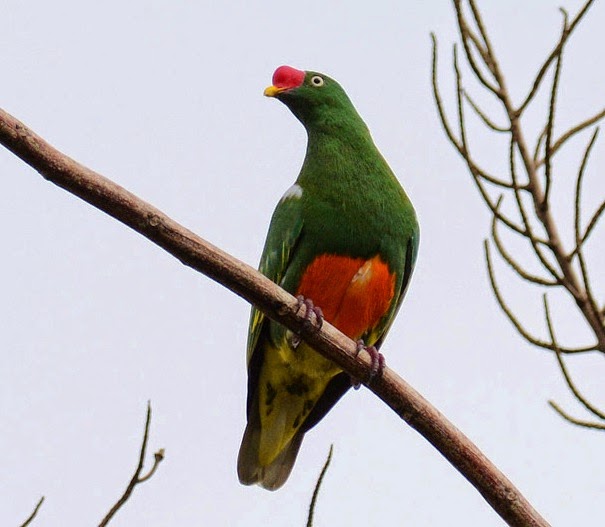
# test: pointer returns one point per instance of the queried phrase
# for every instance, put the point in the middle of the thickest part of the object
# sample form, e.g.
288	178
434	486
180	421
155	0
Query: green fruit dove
344	240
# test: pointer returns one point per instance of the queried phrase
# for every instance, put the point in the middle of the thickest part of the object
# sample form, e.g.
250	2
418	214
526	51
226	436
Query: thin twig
541	138
465	151
467	35
473	167
593	221
158	457
497	214
279	305
533	239
438	101
477	175
323	472
460	104
575	421
570	384
554	53
516	266
568	135
136	478
514	320
577	213
551	118
483	116
31	517
487	53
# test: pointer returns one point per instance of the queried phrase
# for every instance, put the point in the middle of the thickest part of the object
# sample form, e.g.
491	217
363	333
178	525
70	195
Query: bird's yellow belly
354	294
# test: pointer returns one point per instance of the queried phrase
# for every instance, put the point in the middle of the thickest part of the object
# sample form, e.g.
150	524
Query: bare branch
477	174
476	171
158	457
465	151
593	221
489	57
438	101
483	116
529	234
34	513
577	220
323	472
568	135
279	305
570	384
573	420
512	262
554	53
136	478
507	311
496	212
515	321
541	138
460	105
551	118
467	35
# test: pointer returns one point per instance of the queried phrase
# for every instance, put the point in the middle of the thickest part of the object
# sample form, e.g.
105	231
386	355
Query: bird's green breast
352	203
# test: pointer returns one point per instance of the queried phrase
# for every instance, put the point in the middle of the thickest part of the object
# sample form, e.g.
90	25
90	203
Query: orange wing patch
353	293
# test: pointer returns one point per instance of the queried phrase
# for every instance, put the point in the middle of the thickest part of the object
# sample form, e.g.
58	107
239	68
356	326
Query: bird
343	239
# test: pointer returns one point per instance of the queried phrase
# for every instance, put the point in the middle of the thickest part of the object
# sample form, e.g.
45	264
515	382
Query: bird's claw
376	367
311	312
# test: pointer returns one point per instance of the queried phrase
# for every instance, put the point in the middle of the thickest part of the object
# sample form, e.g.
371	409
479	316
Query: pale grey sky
165	98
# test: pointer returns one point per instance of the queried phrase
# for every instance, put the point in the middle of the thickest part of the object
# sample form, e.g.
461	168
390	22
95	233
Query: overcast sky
165	98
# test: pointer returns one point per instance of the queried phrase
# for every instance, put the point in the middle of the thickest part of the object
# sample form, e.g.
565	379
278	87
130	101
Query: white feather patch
294	192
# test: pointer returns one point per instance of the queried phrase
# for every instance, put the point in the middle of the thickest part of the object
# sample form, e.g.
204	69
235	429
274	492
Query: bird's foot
314	317
311	312
376	367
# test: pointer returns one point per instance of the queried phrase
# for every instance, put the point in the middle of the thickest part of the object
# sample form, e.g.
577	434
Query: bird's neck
338	155
347	138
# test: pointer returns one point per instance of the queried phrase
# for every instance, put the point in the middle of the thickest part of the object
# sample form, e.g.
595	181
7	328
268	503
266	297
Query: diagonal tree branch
32	516
276	303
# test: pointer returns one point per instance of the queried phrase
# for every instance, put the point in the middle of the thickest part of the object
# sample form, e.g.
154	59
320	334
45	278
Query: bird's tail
274	474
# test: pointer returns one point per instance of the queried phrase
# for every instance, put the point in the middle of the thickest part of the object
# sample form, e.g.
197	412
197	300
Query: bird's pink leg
311	312
377	364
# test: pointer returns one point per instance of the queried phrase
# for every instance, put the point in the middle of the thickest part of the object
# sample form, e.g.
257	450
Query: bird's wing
283	236
411	253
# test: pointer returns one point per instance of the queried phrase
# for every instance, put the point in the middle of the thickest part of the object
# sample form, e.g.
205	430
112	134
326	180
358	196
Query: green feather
346	202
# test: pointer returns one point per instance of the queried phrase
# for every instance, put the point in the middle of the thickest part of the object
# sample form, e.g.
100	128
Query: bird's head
314	98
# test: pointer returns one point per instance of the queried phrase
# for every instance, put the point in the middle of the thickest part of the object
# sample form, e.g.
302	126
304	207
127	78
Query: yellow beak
272	91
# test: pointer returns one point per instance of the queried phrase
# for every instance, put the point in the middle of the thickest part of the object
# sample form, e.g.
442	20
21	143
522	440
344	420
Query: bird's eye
317	81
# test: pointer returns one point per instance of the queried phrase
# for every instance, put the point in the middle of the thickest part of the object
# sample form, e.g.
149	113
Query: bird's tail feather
273	475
